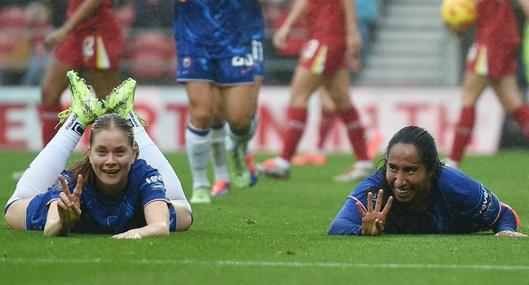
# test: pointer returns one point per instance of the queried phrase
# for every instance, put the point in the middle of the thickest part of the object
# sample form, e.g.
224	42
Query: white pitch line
243	263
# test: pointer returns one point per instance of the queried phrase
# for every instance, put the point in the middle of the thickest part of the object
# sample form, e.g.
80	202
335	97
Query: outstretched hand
130	234
373	220
510	234
69	205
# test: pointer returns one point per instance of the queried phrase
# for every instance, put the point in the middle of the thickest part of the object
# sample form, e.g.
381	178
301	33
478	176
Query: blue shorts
258	55
236	70
37	211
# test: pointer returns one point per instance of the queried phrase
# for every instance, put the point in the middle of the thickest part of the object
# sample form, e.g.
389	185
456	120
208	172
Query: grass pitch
275	233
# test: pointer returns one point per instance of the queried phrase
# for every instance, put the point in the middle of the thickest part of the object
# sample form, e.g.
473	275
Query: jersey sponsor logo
157	186
154	179
487	200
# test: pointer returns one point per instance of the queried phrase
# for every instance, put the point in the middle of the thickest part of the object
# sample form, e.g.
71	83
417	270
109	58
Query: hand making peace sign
69	205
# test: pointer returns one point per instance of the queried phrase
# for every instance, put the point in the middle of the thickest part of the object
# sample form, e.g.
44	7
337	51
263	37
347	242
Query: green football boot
121	100
84	104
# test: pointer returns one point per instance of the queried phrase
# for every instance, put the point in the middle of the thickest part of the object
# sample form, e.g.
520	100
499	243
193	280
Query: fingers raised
361	209
78	187
387	207
64	186
369	202
380	197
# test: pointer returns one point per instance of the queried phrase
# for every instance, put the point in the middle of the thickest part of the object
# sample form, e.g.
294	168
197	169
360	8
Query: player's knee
184	216
15	218
184	220
201	118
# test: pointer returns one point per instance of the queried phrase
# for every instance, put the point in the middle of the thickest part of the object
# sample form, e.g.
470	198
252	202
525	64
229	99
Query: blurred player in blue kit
220	61
414	193
122	186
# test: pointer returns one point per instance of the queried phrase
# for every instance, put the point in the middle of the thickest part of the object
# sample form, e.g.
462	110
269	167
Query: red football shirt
496	22
326	21
101	17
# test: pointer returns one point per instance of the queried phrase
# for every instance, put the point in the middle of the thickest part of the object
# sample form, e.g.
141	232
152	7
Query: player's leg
236	79
479	64
338	87
473	86
218	148
327	118
198	141
44	169
510	97
103	81
304	83
249	159
240	108
53	85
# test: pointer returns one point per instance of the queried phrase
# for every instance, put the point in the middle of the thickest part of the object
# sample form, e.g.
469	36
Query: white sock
50	162
218	153
198	146
154	157
241	141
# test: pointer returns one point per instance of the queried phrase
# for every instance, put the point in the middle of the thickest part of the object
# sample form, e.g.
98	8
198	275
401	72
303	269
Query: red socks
522	117
326	124
355	132
463	132
296	121
48	120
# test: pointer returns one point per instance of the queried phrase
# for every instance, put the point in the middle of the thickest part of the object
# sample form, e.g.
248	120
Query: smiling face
111	157
406	173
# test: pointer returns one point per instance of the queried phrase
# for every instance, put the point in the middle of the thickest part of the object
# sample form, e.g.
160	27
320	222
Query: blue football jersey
102	216
457	204
251	22
214	29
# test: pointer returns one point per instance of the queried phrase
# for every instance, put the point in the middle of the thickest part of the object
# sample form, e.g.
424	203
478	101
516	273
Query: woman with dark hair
112	189
414	193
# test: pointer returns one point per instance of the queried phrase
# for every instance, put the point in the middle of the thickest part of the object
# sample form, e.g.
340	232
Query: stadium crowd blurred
147	28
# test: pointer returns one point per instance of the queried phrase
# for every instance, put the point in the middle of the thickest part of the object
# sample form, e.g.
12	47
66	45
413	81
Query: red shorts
92	48
322	59
493	61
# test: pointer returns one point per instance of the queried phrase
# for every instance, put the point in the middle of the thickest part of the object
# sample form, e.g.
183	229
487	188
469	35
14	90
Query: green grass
275	233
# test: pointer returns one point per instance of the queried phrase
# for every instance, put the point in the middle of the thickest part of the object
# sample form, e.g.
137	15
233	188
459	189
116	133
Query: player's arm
297	10
53	226
508	223
66	211
353	39
157	219
81	15
348	221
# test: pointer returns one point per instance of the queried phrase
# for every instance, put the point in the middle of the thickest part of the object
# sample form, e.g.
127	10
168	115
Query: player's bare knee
184	218
15	216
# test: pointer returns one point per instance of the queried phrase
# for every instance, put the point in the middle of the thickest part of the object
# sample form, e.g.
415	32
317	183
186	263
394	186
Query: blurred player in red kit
333	46
90	40
491	61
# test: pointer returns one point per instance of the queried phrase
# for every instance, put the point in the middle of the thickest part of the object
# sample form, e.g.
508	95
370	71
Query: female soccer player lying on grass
112	189
419	195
